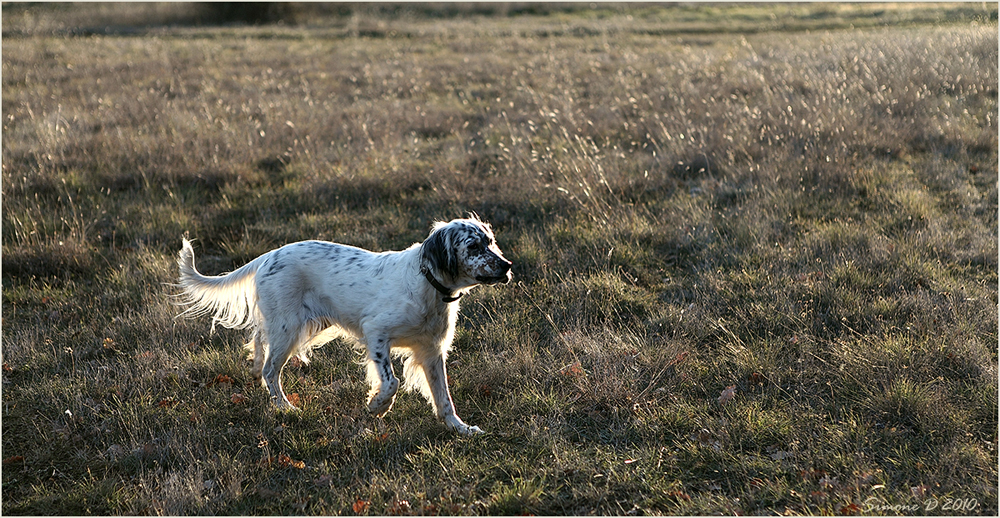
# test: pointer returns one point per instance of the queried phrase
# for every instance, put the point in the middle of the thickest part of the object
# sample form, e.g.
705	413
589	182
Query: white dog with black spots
404	303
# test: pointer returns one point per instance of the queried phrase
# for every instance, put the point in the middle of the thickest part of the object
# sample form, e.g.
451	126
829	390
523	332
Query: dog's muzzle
503	278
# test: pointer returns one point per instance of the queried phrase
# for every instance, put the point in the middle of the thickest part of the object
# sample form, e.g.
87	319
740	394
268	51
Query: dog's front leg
437	380
380	375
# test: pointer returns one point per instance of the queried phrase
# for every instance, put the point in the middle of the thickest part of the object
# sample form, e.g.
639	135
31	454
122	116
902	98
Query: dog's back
335	284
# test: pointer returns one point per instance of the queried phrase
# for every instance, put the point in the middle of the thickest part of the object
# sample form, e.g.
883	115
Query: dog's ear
438	252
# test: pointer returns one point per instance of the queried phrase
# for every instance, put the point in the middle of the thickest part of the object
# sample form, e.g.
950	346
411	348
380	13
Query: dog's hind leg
380	375
282	342
256	347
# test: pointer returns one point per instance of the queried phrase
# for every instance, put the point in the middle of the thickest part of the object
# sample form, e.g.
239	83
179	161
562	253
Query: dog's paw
456	424
379	406
380	399
471	430
283	405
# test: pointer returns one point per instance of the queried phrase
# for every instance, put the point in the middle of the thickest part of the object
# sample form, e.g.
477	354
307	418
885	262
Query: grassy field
755	256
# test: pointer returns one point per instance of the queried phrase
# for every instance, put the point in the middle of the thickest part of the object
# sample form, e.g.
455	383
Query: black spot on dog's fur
276	264
274	268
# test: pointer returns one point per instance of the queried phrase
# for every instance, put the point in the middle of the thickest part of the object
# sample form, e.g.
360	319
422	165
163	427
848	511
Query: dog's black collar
448	297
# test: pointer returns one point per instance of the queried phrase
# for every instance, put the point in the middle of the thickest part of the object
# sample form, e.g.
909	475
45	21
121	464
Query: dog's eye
476	245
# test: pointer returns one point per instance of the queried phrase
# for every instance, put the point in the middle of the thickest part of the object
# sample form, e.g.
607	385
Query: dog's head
464	252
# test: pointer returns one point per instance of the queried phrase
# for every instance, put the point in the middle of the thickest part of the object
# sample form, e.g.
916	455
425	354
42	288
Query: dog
397	303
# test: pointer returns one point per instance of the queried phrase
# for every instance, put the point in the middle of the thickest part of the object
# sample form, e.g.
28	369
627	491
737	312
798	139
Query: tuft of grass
755	255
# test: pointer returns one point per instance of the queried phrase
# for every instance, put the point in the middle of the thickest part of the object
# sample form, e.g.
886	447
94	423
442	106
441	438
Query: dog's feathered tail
231	299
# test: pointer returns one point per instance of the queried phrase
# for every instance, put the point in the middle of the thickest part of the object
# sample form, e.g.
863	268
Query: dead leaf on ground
360	506
167	402
573	370
678	359
727	395
850	509
400	507
285	461
221	379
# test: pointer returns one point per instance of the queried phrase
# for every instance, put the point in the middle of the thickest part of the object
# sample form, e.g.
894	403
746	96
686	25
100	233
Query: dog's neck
449	296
